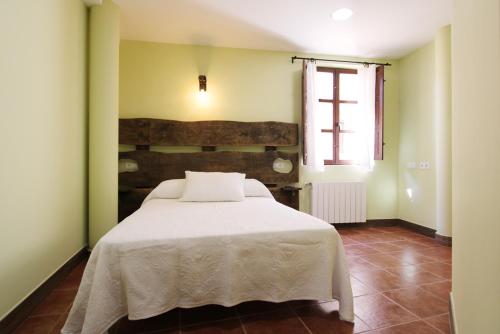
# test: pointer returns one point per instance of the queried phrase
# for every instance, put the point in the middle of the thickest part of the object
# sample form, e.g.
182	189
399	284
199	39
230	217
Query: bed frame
154	167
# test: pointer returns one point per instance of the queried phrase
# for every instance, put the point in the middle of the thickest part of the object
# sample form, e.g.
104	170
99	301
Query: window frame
335	101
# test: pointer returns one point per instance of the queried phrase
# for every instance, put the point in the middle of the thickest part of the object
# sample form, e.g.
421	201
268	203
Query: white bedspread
172	254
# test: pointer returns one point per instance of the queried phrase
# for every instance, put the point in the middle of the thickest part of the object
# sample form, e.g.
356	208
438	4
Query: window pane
324	85
349	146
325	114
348	114
348	87
326	145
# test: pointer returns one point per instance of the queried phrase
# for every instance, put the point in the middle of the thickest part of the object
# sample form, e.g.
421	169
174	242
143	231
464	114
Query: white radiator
339	202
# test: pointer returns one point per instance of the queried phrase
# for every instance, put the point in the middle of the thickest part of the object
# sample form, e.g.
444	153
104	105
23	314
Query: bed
170	253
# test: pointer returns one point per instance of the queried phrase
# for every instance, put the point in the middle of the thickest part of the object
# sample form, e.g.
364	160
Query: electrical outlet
424	165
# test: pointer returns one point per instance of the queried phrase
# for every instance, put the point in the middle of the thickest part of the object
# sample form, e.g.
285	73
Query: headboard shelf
146	131
155	167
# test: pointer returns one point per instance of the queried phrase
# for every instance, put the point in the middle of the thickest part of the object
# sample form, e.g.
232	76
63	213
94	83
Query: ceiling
378	28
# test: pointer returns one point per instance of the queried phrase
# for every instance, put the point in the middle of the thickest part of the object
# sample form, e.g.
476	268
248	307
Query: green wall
417	137
161	81
476	157
43	135
425	134
104	29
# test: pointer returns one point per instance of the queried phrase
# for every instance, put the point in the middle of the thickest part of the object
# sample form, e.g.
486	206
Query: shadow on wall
214	20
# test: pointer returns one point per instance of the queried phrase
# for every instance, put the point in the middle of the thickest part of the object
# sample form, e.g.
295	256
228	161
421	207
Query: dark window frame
336	102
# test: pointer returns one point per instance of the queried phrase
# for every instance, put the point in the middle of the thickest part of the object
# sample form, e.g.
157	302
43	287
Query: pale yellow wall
442	105
476	160
103	119
43	135
161	81
417	137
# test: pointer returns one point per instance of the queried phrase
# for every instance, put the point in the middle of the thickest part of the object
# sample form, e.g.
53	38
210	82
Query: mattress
172	254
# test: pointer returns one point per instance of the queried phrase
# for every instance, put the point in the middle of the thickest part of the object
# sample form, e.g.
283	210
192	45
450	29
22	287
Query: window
337	93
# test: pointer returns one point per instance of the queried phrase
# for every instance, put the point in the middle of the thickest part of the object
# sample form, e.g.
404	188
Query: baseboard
370	223
453	323
15	317
443	240
417	228
427	231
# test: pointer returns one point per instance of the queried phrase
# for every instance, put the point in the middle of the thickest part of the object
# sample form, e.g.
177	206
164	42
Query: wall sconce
203	83
202	94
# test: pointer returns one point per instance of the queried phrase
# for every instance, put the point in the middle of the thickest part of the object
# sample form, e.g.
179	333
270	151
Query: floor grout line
418	317
300	319
428	323
238	315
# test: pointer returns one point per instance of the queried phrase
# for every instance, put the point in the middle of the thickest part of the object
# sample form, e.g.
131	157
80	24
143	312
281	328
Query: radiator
339	202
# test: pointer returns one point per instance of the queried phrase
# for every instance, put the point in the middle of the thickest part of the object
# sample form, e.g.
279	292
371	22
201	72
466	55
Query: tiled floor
400	280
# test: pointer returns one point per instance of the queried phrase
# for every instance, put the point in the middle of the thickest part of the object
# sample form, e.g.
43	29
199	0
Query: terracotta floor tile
441	322
38	325
59	324
365	238
74	278
411	257
380	280
437	268
358	264
348	241
284	321
231	326
191	316
169	320
360	289
416	327
385	247
359	249
256	307
391	237
57	303
324	319
426	241
384	237
441	253
418	301
407	244
373	231
384	260
440	289
391	229
378	311
412	275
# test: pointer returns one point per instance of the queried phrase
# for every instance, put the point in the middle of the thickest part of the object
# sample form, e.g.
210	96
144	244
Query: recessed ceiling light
342	14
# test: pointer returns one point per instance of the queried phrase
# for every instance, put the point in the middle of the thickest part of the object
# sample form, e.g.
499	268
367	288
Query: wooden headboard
154	167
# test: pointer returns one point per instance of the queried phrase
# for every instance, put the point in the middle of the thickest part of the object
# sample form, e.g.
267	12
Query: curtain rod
340	61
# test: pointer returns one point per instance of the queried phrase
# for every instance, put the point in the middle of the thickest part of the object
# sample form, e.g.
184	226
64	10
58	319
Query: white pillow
255	188
167	189
213	187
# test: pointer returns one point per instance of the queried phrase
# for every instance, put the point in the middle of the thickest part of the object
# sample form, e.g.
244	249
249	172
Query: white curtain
314	161
365	127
